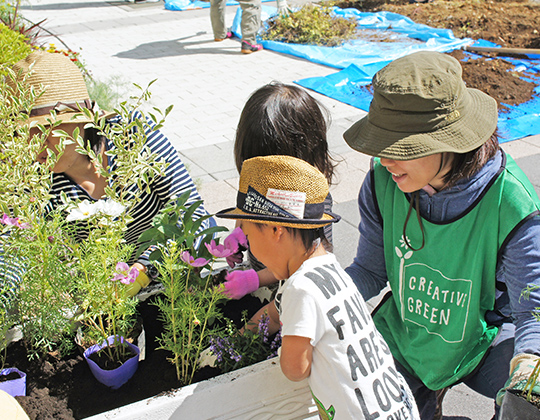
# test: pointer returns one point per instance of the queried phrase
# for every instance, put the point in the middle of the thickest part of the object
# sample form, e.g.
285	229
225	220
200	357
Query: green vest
434	319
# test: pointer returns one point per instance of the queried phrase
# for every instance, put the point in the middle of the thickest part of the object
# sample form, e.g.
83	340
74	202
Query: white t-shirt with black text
353	375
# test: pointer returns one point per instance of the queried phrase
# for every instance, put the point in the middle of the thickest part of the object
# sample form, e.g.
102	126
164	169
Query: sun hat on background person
421	106
63	89
281	190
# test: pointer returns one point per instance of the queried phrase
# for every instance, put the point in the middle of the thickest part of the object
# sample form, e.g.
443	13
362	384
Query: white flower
110	208
84	210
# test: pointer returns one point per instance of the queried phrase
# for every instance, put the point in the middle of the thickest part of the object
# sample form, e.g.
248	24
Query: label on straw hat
256	203
292	201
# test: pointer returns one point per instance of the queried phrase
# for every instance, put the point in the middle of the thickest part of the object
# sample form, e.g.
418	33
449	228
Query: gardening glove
236	242
141	281
240	282
521	367
283	7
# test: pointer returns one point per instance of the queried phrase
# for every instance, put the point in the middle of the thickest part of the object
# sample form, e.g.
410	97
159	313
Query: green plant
532	381
32	247
13	45
74	264
311	24
107	93
10	17
189	306
106	309
235	350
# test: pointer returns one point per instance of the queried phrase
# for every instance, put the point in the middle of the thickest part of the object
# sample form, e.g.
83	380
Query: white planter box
257	392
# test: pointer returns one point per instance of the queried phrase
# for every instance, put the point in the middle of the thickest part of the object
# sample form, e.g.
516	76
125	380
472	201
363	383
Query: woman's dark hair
94	139
281	119
465	165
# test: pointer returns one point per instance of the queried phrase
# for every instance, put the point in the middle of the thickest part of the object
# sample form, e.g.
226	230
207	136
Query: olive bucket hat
281	190
420	107
63	89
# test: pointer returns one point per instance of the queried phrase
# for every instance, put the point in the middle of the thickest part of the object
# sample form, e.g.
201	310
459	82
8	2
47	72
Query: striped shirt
175	181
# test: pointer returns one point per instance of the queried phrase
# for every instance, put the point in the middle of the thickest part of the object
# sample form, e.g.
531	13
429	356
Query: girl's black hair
465	165
94	139
280	119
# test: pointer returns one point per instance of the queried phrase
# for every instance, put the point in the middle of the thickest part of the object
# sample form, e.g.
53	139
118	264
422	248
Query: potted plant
59	279
522	401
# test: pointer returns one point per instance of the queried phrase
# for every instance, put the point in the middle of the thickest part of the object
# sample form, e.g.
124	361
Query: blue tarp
352	86
361	59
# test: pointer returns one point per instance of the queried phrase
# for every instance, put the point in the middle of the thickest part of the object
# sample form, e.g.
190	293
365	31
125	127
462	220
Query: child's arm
296	357
266	278
273	325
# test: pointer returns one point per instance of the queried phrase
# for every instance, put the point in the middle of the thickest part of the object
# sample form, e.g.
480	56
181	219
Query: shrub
13	45
311	24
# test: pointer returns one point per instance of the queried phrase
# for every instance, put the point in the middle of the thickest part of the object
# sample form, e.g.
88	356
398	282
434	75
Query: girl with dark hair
452	225
279	119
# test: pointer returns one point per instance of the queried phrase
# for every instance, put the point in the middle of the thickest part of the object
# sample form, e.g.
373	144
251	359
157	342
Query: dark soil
64	388
511	24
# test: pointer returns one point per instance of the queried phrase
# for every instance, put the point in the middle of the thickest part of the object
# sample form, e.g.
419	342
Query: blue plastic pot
117	377
14	387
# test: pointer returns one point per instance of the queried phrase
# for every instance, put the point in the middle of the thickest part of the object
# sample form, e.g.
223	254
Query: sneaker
248	48
227	35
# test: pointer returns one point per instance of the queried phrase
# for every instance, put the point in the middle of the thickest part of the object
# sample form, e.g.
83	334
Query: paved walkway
208	84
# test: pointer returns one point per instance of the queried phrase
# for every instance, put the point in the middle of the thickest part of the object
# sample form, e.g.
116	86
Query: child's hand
239	283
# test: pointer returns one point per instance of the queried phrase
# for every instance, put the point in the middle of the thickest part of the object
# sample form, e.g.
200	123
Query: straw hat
420	107
64	88
281	190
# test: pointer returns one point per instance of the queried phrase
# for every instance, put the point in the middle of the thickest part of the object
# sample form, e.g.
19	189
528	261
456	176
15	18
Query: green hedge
13	46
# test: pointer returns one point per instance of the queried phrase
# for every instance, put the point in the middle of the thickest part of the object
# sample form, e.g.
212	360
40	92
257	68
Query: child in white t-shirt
328	334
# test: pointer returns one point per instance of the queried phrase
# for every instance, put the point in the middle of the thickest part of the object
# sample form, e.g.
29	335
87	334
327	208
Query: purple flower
188	259
263	327
235	240
219	251
13	221
125	274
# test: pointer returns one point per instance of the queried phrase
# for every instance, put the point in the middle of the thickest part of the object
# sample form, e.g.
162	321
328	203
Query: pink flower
125	274
188	259
13	221
219	251
235	240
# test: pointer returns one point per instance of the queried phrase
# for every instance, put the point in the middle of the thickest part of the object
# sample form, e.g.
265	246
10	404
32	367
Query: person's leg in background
217	18
250	24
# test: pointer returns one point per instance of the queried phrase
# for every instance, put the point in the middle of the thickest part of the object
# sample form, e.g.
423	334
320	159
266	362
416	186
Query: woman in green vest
452	225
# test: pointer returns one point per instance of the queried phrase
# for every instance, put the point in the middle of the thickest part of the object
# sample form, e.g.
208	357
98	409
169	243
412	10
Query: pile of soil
65	389
511	24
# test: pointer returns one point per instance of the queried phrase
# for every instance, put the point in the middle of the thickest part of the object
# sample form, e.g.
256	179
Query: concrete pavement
208	84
